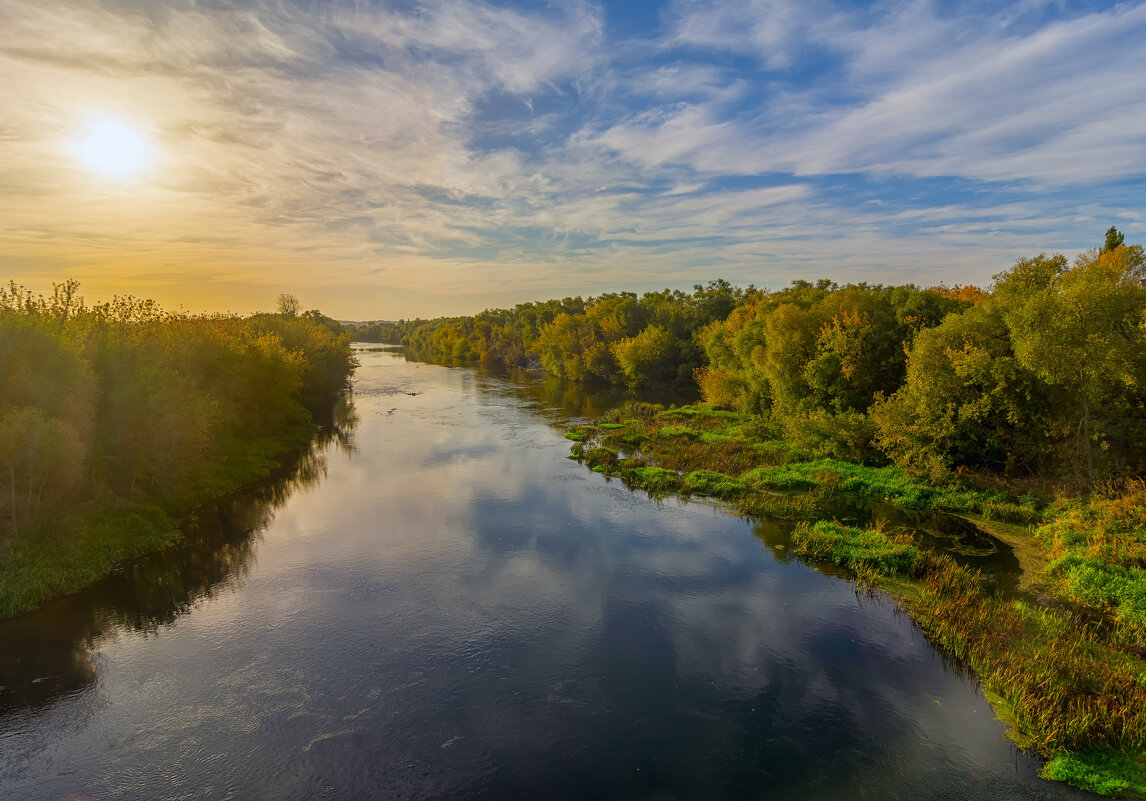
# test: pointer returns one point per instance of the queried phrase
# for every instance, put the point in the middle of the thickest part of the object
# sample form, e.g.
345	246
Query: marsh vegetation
1065	668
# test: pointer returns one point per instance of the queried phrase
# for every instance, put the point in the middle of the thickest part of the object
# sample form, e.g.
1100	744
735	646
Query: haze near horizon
386	160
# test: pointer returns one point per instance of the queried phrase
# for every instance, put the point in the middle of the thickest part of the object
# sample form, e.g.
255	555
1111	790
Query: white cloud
471	148
956	96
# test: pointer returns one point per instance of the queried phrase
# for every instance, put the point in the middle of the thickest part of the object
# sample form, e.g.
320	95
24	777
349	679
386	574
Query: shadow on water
46	653
555	399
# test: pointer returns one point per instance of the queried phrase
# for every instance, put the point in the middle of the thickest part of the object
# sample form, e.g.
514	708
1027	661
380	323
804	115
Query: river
434	602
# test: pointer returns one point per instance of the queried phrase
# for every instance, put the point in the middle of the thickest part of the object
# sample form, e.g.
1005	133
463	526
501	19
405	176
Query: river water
434	602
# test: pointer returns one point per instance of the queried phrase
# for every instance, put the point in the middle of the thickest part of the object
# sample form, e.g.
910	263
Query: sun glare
114	149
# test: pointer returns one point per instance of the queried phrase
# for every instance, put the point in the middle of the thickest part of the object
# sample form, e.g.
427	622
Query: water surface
438	604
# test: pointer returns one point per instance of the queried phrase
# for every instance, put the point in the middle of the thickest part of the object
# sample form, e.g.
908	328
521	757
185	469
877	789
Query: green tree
1078	328
966	400
1114	240
651	355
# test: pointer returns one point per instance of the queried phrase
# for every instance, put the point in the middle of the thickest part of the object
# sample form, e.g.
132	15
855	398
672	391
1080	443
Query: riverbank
1066	671
117	419
62	555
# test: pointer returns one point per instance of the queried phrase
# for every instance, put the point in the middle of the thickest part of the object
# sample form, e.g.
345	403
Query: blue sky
385	160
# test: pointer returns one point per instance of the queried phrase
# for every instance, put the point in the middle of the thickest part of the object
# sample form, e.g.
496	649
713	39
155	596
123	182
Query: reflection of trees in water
339	429
555	398
45	654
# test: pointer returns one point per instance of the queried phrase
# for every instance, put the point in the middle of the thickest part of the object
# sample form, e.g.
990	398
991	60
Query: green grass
63	558
1098	545
1105	772
712	484
855	548
704	412
891	484
746	449
678	431
656	480
780	477
1120	591
64	555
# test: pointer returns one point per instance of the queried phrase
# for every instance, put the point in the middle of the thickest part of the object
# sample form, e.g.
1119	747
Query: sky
386	160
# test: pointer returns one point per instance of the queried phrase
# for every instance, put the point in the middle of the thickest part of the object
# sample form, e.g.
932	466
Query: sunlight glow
113	149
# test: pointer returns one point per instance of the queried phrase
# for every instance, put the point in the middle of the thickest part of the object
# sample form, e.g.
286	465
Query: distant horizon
466	307
384	161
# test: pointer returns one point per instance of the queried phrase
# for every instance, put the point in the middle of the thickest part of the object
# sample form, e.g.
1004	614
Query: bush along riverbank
117	419
1066	671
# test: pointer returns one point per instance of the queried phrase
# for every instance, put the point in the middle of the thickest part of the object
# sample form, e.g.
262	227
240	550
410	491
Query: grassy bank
739	458
1067	675
1068	690
62	555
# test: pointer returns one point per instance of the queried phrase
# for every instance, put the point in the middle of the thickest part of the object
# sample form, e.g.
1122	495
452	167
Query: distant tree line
124	402
1043	372
383	331
616	337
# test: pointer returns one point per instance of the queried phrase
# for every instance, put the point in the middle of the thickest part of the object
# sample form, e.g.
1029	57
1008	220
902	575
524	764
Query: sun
114	149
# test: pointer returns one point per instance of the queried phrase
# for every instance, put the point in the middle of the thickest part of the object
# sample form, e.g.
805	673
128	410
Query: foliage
1045	375
1114	239
123	405
650	356
1076	329
40	463
816	357
617	338
966	400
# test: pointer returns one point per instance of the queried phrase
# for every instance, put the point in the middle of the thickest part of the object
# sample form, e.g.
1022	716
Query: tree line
1043	372
123	402
616	337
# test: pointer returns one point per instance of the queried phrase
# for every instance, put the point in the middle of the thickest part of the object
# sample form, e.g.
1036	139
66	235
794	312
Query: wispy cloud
388	159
